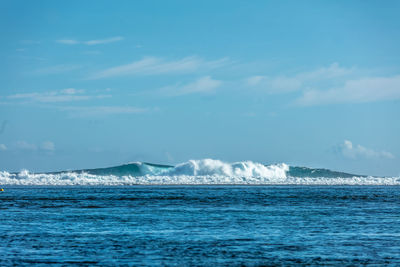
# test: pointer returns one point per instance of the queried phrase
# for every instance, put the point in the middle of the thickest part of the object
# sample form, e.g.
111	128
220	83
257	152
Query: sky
86	84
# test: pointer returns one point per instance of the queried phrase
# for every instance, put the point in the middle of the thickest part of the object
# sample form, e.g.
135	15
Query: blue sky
98	83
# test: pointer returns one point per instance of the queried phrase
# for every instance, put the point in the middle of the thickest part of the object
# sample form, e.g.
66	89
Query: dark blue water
200	225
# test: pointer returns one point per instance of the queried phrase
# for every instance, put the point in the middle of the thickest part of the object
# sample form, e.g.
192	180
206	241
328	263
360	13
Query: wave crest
207	167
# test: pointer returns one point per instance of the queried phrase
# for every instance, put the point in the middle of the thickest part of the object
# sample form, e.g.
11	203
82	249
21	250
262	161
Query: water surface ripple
200	225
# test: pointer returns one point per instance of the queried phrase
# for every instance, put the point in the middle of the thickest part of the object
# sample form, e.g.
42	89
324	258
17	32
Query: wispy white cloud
56	69
68	41
299	81
361	90
94	111
65	95
47	100
330	85
3	147
90	42
349	150
104	41
154	65
30	42
23	145
46	146
281	84
202	85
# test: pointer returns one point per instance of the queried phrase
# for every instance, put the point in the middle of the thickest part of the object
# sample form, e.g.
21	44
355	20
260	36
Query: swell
133	169
189	168
205	171
310	172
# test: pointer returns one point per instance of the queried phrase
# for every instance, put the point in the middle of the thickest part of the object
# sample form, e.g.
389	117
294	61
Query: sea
199	213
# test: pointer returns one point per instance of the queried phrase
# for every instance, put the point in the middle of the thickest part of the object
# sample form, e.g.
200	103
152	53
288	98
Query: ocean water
200	213
200	225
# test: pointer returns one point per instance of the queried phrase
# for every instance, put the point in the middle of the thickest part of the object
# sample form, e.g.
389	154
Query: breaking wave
196	172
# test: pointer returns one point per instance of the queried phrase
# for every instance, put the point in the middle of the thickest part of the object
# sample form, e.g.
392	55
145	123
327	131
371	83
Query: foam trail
196	172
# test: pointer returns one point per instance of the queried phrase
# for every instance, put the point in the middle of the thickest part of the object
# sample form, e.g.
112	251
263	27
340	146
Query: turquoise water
200	225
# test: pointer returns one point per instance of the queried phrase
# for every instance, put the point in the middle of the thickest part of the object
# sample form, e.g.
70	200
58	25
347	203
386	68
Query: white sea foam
61	179
89	179
211	167
196	172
